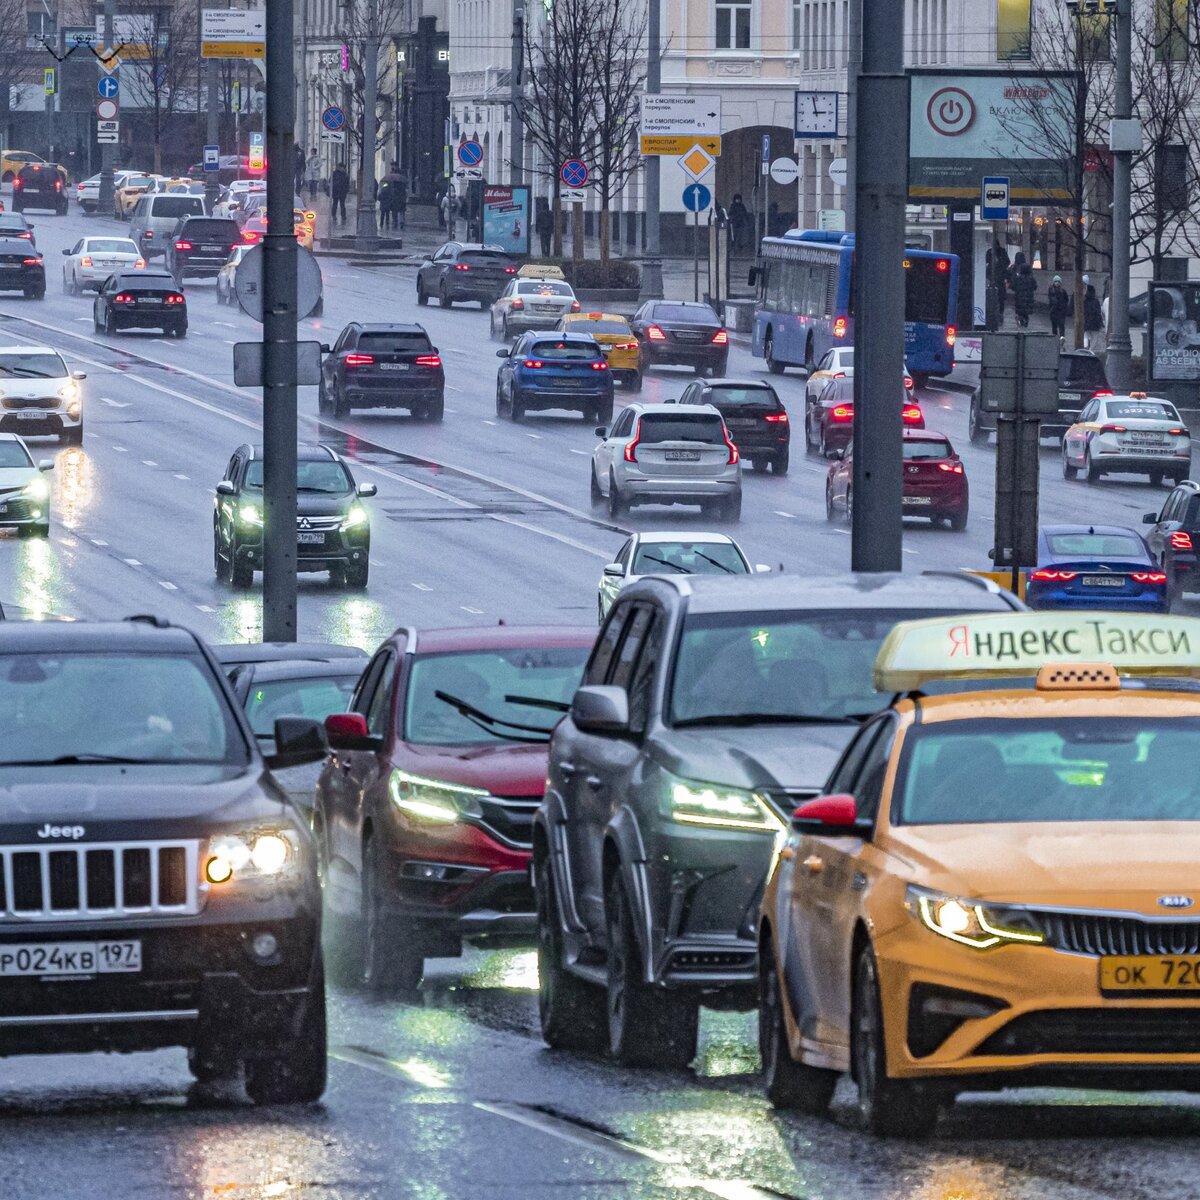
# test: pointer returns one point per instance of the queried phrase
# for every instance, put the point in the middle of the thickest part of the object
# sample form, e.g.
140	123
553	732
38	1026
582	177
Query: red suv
423	813
935	481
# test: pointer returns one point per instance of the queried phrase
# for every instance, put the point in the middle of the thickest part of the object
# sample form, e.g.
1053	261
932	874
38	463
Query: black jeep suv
200	246
40	185
159	887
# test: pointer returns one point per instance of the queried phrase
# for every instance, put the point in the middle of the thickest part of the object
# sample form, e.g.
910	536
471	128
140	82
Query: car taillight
534	363
655	334
733	450
175	298
1181	540
777	418
58	185
1049	576
951	335
943	264
1112	429
1178	432
148	234
183	245
908	383
139	264
32	262
510	270
574	305
631	447
359	360
843	412
953	467
839	375
839	327
86	261
1101	394
518	303
720	338
912	414
429	360
27	236
122	298
17	182
600	366
1149	577
461	267
248	235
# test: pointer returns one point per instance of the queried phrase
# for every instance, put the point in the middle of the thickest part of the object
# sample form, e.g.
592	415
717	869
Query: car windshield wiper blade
765	719
709	559
666	563
492	724
559	706
85	757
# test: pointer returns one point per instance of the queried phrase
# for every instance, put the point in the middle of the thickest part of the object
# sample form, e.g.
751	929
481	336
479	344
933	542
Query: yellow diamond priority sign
697	161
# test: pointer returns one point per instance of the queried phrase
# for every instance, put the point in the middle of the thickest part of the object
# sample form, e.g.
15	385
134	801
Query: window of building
733	24
1013	29
1171	30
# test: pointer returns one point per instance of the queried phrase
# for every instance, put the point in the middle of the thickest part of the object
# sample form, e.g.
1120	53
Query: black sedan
754	415
140	300
679	333
21	268
383	366
465	271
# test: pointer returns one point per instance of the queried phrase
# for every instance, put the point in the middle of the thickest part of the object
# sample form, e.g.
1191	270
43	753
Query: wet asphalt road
452	1096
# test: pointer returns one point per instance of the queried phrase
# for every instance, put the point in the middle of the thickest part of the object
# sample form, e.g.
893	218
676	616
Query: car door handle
814	864
595	782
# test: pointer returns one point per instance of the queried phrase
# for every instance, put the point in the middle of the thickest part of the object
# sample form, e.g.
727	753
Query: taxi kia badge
1175	901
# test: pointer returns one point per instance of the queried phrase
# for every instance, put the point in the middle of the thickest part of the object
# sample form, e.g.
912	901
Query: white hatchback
93	259
38	395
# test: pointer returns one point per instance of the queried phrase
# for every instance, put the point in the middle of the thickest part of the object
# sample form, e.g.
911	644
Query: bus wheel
773	365
920	380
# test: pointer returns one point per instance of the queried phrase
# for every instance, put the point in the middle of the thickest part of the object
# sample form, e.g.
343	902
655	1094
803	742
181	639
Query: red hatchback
935	481
423	814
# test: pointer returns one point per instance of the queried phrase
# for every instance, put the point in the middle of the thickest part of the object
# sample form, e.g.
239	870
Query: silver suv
155	216
709	709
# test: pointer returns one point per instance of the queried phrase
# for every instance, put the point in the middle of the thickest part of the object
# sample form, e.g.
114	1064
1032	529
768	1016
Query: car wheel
616	506
790	1084
822	445
516	408
759	465
604	413
1093	472
444	297
773	365
504	334
492	327
499	400
958	521
635	381
391	948
73	436
648	1026
1069	472
977	432
355	575
422	298
180	330
110	323
597	495
781	463
888	1107
1156	478
296	1072
731	509
435	411
218	560
849	514
241	572
571	1012
322	396
340	407
829	513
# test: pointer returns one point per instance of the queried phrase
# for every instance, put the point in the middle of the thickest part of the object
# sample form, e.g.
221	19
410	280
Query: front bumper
686	354
338	549
38	422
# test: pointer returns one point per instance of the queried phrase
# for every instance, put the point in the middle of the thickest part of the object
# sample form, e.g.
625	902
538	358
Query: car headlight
357	515
716	806
36	489
261	854
250	514
967	922
432	800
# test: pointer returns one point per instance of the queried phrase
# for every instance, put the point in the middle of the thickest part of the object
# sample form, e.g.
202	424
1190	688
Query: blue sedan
1096	566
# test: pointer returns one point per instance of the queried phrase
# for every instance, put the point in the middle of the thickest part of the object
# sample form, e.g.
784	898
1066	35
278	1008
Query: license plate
918	499
310	539
214	249
150	300
29	416
546	308
393	366
49	959
689	337
1144	437
1108	581
741	422
1147	973
682	455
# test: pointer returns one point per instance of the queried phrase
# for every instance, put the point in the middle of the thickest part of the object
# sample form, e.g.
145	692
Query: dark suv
424	811
1175	539
199	246
710	708
40	185
754	415
333	529
160	889
680	333
383	366
465	271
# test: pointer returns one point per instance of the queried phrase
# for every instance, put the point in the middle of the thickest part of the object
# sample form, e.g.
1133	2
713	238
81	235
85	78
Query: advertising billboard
1173	320
506	218
966	125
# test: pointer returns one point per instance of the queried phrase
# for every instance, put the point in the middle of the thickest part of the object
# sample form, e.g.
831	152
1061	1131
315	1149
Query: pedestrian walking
1024	286
390	201
739	222
298	160
312	172
1058	303
544	225
383	193
444	209
1093	320
339	189
1000	275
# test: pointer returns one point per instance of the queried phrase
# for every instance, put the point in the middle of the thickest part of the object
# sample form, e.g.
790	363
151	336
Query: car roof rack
149	619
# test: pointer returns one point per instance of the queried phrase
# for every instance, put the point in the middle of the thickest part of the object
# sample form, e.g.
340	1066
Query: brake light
733	450
174	298
843	412
908	383
139	264
1112	429
720	338
183	245
951	335
602	365
943	264
1049	576
631	447
1181	540
359	360
533	363
912	414
518	303
839	375
248	235
1178	431
148	234
655	334
839	327
429	360
1149	577
461	267
32	262
17	182
122	298
86	261
626	346
574	305
1100	395
777	418
954	468
510	270
58	185
27	236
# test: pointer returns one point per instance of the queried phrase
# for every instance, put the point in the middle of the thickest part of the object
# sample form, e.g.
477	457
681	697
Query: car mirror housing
79	375
762	568
601	709
501	353
367	489
1150	518
325	349
298	741
226	488
348	731
831	816
67	253
45	464
614	569
601	431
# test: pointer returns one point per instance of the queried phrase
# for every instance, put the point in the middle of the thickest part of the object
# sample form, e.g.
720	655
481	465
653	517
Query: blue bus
805	303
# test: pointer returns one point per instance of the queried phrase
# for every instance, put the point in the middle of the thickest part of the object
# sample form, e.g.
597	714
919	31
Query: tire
604	413
920	380
36	531
73	437
1093	472
322	396
218	561
241	573
759	465
822	446
444	298
435	411
355	575
492	327
1069	472
516	409
340	408
597	496
648	1026
790	1084
110	324
976	431
504	335
731	509
318	308
773	365
849	513
616	506
779	465
499	400
571	1012
829	513
297	1072
634	381
422	298
391	957
887	1107
180	331
1156	478
958	521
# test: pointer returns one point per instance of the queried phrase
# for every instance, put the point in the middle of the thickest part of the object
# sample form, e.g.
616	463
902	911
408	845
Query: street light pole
516	127
853	66
1120	350
104	196
367	229
652	285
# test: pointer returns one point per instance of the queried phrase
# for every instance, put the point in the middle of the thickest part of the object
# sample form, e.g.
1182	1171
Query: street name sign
233	33
672	124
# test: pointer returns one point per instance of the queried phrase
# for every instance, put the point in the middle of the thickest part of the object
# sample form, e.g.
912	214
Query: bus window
776	295
926	290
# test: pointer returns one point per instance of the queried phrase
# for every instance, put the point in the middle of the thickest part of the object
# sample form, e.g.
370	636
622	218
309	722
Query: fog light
264	946
218	869
73	409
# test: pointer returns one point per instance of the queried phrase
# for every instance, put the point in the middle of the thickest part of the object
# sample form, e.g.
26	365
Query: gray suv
709	709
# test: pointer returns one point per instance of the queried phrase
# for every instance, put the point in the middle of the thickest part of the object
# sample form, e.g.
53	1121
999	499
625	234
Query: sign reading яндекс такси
965	126
1173	326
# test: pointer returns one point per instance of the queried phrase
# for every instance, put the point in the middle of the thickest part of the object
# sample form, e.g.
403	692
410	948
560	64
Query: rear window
697	427
176	206
544	287
694	315
212	230
1143	410
618	327
756	397
146	283
926	449
393	343
483	258
927	289
1096	545
110	246
565	350
1081	372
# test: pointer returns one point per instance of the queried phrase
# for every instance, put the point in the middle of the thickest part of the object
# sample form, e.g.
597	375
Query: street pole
367	229
882	125
652	284
516	126
853	66
1117	361
104	196
279	335
213	133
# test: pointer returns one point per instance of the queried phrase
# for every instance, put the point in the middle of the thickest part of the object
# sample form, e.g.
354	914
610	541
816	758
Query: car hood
1110	865
22	387
505	769
12	478
795	757
313	504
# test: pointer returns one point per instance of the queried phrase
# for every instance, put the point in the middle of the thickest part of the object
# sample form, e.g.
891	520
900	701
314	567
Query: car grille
30	402
93	882
1099	1031
1090	933
305	523
510	817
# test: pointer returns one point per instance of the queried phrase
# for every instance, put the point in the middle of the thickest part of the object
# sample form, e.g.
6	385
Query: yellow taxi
616	339
11	161
255	227
1000	887
126	195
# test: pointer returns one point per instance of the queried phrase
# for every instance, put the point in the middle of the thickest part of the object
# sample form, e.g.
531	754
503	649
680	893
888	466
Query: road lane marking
422	587
166	583
780	513
206	608
467	608
575	451
149	462
133	562
121	449
182	476
113	403
537	437
98	541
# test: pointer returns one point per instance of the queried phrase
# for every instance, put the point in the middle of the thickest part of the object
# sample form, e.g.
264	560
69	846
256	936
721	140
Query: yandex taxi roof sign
983	645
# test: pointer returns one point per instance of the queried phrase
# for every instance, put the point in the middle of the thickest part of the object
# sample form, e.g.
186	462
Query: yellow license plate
1150	973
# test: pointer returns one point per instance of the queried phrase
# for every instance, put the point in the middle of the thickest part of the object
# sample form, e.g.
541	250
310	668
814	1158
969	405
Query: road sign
837	172
108	127
248	282
333	118
334	137
106	110
785	170
671	116
572	195
107	137
994	206
134	35
248	365
233	33
257	152
470	154
697	162
573	173
109	65
50	82
696	197
212	158
468	173
107	87
679	144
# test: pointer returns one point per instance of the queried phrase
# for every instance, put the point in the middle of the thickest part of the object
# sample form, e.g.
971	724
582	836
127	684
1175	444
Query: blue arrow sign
107	86
696	197
470	154
574	173
333	118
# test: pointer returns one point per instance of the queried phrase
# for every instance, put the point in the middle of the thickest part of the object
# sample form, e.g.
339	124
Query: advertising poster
506	218
1174	321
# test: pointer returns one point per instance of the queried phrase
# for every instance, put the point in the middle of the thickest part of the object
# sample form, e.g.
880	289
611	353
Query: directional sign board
680	144
134	35
994	199
696	197
671	124
573	173
233	33
107	86
470	154
107	137
697	161
212	158
248	282
785	170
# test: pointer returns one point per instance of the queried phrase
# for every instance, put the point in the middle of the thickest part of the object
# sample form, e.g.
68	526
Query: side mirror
226	488
831	816
298	741
81	375
501	353
67	253
762	569
348	731
45	464
602	431
1150	518
325	348
614	570
600	709
367	489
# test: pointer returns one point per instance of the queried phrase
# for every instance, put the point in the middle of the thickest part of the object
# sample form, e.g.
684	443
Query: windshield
688	558
585	350
1068	769
654	427
36	365
1146	410
483	258
170	710
314	698
321	475
482	679
781	664
926	448
13	454
1096	545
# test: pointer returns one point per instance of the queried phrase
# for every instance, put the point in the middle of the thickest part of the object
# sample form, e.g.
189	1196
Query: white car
837	363
24	491
38	395
655	454
225	276
672	553
531	304
1134	433
87	191
239	197
93	259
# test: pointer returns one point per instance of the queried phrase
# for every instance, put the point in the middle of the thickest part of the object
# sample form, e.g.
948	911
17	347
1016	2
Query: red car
935	481
829	419
423	814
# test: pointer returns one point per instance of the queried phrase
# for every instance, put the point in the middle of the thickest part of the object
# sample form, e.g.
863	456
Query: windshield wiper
666	563
559	706
323	491
86	757
490	724
708	559
766	719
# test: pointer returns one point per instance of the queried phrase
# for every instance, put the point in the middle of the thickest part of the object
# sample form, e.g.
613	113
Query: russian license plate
740	422
918	499
1149	973
1144	436
150	300
215	249
393	366
70	958
546	308
682	455
1108	581
310	539
29	416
